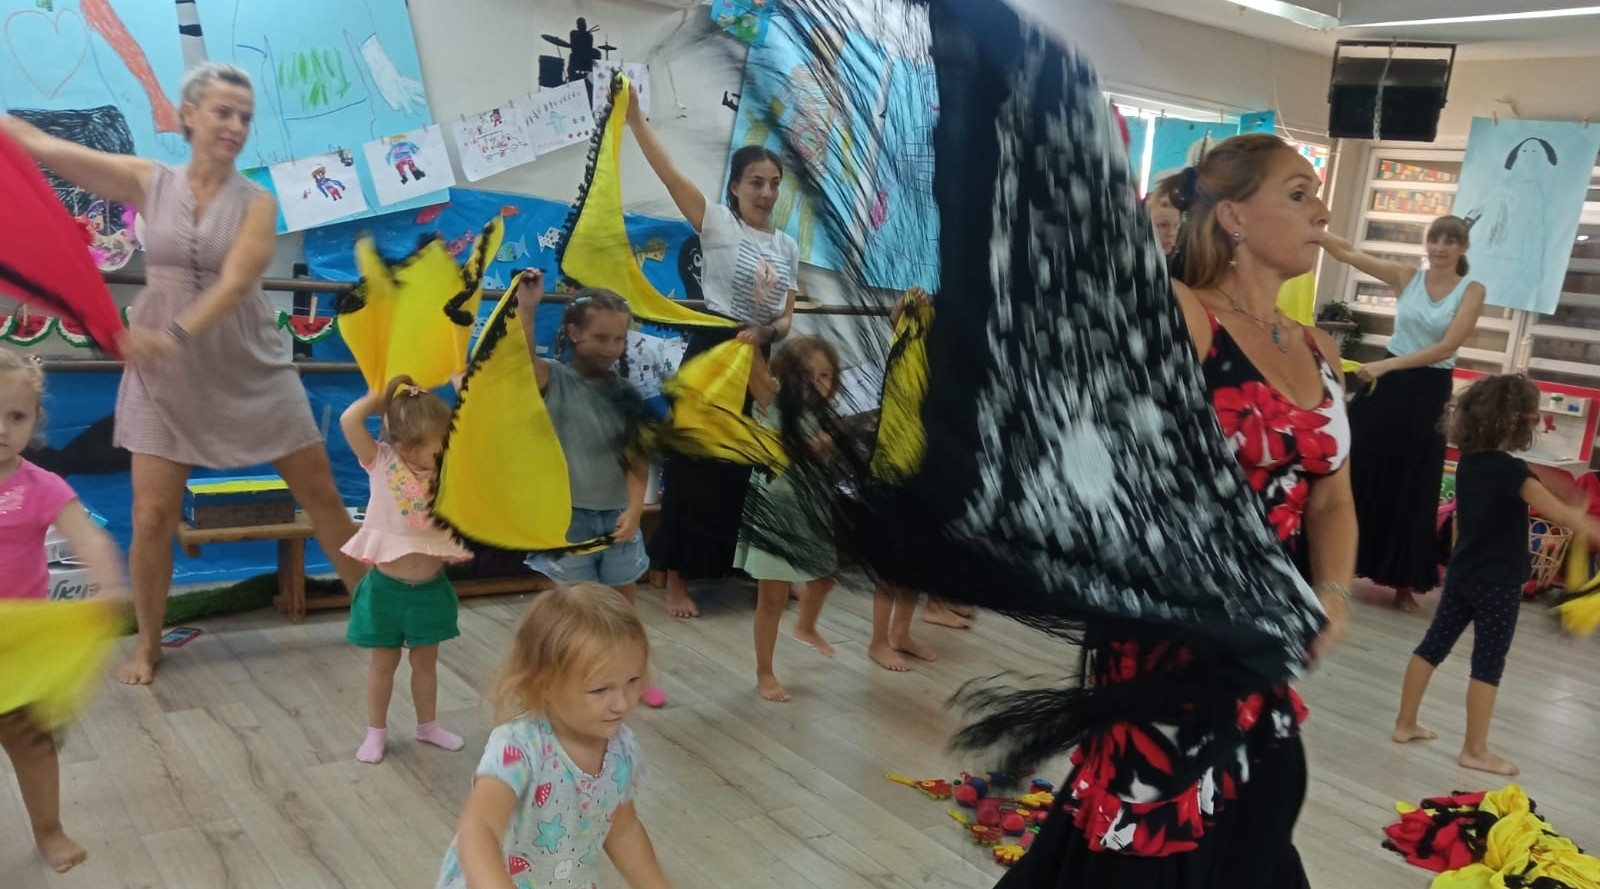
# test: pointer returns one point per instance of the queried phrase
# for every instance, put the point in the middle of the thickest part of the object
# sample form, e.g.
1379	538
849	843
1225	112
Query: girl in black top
1483	584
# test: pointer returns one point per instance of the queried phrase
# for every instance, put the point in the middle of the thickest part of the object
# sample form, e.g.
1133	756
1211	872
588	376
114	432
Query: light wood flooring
237	768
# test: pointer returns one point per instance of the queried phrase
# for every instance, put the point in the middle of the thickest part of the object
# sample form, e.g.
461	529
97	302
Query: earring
1238	236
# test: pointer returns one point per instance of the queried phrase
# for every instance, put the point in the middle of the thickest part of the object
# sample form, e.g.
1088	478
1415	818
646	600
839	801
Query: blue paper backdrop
328	75
1177	141
76	400
901	236
1523	185
532	232
50	59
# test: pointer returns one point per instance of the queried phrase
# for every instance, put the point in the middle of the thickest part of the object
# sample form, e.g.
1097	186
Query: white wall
1144	52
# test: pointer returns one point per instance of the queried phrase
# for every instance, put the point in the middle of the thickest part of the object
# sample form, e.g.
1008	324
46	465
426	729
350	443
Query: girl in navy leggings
1483	584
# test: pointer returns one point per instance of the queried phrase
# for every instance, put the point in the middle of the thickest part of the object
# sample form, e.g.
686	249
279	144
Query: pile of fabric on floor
1488	841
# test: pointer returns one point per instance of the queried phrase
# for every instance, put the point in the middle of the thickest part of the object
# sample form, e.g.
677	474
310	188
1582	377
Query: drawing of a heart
49	48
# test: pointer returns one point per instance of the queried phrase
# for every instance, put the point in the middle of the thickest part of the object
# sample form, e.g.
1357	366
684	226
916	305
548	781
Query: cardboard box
69	582
237	502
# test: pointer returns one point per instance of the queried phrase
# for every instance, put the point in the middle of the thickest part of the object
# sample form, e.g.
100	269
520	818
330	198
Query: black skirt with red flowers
1204	797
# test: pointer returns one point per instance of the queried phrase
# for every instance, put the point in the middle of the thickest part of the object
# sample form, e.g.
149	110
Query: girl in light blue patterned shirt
557	781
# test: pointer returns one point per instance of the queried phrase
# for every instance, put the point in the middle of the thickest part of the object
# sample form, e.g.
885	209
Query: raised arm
353	423
915	296
690	200
763	385
1391	273
530	292
116	177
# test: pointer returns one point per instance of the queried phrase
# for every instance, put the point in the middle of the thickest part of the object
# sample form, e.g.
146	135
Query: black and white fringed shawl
1075	476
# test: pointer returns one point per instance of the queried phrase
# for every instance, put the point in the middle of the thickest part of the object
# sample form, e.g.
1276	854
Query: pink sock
653	697
372	748
431	733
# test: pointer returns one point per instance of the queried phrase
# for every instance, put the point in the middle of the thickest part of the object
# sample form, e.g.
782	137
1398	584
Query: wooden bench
291	538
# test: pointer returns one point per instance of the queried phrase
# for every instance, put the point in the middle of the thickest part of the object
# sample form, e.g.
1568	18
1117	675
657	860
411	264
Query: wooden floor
237	769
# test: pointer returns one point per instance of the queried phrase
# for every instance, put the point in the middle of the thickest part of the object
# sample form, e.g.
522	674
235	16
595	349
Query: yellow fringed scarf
597	252
503	478
52	655
415	316
902	440
708	419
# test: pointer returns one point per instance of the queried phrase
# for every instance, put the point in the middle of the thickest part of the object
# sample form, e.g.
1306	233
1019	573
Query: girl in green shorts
405	600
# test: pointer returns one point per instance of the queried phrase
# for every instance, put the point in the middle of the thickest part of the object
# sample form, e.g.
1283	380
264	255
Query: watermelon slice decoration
73	333
306	328
29	330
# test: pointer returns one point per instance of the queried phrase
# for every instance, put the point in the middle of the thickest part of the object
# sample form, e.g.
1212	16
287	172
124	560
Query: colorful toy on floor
970	789
1007	824
982	834
1038	800
934	788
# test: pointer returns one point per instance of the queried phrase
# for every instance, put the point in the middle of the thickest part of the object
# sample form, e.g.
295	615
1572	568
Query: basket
1547	552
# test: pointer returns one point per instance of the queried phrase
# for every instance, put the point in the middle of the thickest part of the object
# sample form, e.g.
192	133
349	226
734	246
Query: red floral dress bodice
1141	788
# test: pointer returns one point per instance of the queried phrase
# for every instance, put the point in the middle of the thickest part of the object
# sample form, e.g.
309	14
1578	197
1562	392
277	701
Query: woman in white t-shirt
751	275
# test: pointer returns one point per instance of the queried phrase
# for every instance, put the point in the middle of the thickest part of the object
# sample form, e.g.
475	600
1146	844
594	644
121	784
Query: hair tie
1184	195
411	389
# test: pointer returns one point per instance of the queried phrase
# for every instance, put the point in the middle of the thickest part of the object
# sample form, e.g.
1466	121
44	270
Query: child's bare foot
1408	733
140	668
681	606
814	639
1404	601
1487	762
937	612
60	850
913	646
767	684
884	655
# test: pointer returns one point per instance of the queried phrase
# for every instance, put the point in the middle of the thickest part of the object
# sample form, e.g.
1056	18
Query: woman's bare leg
310	478
158	488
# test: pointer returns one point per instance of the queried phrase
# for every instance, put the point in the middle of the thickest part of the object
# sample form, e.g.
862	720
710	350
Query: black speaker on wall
1386	97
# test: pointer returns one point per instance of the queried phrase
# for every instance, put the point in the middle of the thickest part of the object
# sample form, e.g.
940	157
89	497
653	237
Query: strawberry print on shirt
559	828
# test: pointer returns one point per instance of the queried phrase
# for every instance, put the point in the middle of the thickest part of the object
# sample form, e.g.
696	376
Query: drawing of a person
332	189
402	155
1509	223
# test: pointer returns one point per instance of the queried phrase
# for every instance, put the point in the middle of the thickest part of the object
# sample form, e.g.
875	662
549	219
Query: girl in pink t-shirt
405	600
31	500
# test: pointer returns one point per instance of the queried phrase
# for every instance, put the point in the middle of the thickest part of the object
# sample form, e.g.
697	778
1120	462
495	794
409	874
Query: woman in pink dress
208	380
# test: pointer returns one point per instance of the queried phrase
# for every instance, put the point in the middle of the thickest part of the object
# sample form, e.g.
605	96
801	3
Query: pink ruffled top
398	521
